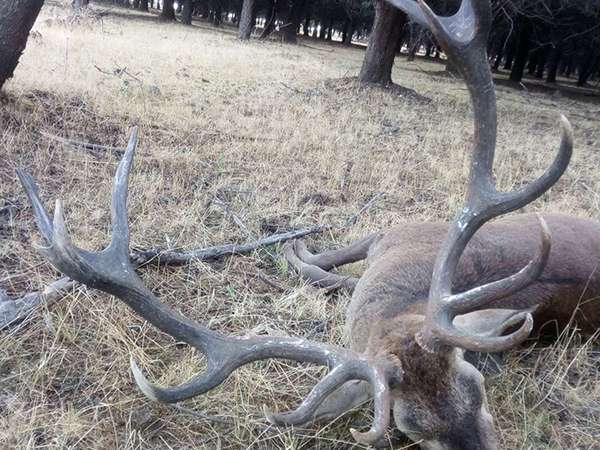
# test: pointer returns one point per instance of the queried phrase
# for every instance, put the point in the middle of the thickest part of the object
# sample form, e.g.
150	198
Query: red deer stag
408	328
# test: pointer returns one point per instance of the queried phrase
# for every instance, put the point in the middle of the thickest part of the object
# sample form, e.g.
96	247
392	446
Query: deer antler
463	37
110	271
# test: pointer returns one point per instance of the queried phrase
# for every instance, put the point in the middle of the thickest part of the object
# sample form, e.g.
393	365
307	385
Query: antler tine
482	296
463	37
472	20
111	271
442	309
413	9
120	227
353	370
41	216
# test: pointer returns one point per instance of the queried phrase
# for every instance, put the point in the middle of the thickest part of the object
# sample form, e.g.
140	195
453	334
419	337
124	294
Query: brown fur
400	263
441	399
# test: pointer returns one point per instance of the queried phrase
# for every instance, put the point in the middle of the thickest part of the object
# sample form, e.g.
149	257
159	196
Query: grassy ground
286	139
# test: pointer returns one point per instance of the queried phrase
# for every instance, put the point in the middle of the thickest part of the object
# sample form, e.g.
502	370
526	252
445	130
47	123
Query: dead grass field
272	130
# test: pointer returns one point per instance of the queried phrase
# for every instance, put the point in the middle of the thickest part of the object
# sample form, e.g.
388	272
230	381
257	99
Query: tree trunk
428	49
499	52
306	25
16	19
168	11
203	9
247	19
77	4
237	15
522	52
290	31
348	32
329	30
542	62
186	13
588	66
510	53
555	58
345	29
533	62
381	49
401	41
143	5
498	60
413	49
569	65
136	4
270	21
322	30
217	12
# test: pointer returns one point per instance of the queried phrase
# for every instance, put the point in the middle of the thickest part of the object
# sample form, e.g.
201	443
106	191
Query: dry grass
271	130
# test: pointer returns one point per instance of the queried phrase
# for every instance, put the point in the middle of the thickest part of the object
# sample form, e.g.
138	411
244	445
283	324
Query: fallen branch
328	50
117	151
118	72
293	89
177	258
240	137
21	309
201	415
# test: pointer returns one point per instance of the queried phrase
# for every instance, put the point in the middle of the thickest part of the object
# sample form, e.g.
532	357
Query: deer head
440	402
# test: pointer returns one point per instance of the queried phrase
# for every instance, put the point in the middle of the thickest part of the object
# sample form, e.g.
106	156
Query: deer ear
490	322
350	395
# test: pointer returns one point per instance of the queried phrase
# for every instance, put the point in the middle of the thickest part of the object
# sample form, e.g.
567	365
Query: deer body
400	262
389	305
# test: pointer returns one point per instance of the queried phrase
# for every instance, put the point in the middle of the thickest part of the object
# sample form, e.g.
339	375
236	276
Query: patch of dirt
338	85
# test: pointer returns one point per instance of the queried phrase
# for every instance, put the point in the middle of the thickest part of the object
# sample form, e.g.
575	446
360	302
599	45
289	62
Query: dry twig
117	151
21	309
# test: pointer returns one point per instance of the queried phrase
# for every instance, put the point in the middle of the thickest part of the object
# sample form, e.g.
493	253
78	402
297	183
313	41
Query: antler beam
463	37
110	271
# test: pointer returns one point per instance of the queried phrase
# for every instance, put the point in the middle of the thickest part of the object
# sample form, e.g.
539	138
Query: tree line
538	38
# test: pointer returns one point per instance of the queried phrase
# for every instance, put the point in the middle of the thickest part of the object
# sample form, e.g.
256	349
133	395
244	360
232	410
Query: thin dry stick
175	257
118	71
265	279
234	217
293	89
200	415
354	217
117	151
240	224
22	309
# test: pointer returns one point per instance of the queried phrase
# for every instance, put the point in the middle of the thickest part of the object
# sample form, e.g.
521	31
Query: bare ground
286	139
